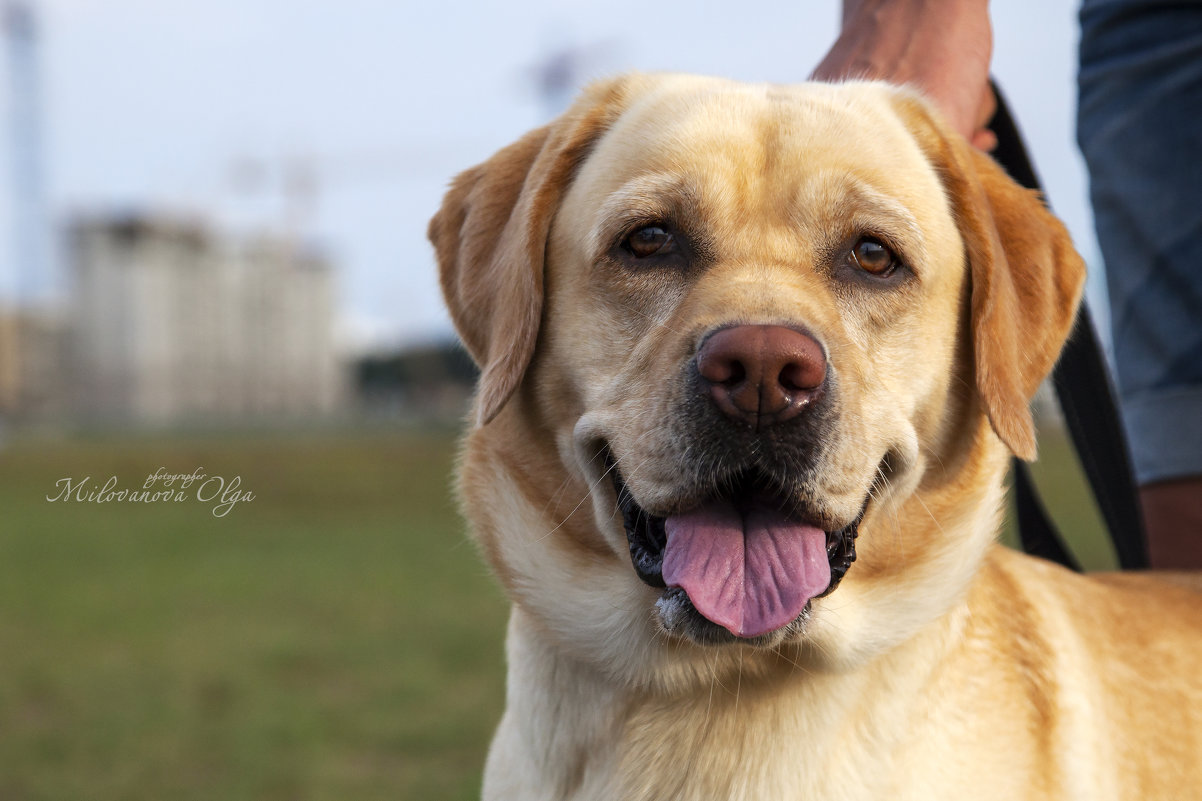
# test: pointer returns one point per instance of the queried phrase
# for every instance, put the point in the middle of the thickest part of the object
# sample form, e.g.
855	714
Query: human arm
942	47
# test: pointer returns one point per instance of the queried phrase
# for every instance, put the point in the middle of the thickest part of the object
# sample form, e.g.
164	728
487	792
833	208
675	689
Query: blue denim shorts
1139	125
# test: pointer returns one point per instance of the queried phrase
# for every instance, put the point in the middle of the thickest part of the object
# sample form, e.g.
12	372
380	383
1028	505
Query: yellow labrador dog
754	360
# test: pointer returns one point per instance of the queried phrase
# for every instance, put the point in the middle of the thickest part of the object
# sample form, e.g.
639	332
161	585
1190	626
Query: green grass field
336	637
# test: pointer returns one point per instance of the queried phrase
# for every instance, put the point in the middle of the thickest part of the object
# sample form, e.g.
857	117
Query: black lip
647	538
644	532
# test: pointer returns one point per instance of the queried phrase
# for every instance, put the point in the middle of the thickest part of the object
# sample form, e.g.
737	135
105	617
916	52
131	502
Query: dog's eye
653	240
871	256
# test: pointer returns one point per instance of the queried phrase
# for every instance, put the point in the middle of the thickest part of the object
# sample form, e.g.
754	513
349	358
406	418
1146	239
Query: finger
986	107
984	139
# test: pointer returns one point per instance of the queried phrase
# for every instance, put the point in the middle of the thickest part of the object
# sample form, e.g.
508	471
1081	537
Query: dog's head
745	324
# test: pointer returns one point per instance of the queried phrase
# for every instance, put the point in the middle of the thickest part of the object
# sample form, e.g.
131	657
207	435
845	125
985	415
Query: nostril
802	375
716	369
790	378
737	374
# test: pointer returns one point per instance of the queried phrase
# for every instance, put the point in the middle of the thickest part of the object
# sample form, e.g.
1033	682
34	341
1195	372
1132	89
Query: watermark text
161	486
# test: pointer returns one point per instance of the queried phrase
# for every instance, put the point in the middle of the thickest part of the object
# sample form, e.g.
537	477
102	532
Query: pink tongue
751	572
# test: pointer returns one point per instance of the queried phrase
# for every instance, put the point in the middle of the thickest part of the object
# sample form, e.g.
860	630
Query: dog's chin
677	617
744	494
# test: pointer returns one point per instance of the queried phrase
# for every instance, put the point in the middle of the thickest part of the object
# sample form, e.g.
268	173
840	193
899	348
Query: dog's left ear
490	236
1026	276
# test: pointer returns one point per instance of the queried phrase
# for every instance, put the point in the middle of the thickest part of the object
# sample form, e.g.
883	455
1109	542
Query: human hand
941	47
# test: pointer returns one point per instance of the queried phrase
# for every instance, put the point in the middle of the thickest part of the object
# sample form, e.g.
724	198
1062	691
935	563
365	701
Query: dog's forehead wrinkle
869	207
645	198
637	193
754	126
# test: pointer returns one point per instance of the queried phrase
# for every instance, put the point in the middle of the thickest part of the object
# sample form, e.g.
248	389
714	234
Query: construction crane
28	280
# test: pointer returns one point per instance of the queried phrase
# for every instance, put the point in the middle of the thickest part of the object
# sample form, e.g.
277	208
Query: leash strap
1087	399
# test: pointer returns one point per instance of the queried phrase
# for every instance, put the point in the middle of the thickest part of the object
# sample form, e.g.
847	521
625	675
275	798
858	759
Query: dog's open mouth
745	559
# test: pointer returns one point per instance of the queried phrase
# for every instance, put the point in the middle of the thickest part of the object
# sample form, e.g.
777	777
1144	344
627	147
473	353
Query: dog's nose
761	374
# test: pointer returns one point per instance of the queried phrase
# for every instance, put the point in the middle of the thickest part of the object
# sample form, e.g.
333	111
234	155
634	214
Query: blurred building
32	355
171	322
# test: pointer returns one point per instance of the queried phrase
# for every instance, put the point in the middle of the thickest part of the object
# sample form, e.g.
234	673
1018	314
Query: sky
204	110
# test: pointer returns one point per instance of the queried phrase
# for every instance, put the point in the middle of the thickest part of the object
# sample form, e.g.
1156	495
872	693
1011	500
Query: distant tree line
435	378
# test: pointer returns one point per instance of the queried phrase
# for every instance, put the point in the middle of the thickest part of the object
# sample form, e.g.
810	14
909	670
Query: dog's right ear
491	234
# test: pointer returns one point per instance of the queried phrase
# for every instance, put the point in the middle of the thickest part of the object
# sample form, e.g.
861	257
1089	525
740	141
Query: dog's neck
571	731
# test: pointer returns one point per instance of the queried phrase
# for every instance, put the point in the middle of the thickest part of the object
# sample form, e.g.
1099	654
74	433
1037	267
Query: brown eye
873	257
650	241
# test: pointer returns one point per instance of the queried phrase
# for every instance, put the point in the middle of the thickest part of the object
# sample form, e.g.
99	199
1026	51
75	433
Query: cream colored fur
943	666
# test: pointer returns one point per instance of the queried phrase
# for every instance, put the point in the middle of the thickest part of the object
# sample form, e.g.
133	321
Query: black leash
1087	399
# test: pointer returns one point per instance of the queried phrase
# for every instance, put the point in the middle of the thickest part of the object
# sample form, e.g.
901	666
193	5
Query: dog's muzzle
742	564
745	548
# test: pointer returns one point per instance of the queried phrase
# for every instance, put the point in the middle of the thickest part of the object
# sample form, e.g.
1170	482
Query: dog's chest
735	745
